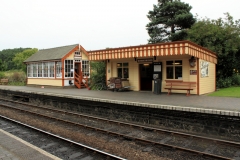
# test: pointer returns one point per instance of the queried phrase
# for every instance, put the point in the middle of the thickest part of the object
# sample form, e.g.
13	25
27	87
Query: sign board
193	72
157	68
145	60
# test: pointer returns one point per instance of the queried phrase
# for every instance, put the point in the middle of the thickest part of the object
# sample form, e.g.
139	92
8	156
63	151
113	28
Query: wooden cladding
159	49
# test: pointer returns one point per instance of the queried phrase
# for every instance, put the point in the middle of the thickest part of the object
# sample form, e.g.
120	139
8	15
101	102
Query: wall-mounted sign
157	68
145	60
193	72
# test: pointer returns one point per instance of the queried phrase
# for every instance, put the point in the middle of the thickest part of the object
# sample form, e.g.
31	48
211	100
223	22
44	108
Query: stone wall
212	125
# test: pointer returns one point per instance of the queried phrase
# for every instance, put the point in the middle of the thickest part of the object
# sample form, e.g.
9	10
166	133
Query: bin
157	86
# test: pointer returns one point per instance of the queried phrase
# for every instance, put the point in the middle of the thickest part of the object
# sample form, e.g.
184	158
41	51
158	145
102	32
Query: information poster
157	68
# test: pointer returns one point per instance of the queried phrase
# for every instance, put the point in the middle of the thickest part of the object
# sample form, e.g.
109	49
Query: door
146	76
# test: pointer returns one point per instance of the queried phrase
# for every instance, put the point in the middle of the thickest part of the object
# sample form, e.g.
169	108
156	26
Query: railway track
206	147
57	145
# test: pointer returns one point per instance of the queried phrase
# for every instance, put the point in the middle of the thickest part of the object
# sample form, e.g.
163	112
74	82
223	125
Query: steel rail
65	139
133	125
121	135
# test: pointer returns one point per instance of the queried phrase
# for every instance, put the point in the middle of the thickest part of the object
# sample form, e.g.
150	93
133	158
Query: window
29	70
78	54
174	69
40	69
51	69
59	69
122	70
85	68
68	68
45	69
35	71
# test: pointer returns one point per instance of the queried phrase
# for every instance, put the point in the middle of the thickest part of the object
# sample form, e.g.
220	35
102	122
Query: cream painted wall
207	84
134	75
185	72
71	56
134	71
84	56
49	82
109	70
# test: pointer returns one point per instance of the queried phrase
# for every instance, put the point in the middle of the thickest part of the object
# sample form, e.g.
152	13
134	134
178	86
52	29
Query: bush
98	76
2	75
16	78
236	80
224	82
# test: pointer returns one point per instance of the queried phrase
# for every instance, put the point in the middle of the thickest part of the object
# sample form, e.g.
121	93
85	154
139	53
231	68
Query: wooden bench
4	81
179	85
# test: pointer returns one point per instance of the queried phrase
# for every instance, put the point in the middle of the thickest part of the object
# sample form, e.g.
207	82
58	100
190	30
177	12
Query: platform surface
14	148
192	103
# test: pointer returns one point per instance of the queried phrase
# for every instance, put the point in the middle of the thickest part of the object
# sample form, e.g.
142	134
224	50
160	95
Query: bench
118	84
179	85
4	81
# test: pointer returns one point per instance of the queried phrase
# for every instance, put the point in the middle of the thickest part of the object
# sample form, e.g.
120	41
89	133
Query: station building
59	67
140	65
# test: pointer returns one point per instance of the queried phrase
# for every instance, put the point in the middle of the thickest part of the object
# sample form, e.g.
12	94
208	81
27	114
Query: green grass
227	92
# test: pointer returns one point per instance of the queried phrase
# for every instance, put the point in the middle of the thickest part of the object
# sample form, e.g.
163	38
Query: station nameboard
144	60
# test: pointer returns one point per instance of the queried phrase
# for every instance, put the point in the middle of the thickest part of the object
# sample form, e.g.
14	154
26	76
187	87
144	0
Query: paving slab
14	148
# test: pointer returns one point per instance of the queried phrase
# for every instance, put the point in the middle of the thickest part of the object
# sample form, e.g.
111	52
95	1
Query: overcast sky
95	24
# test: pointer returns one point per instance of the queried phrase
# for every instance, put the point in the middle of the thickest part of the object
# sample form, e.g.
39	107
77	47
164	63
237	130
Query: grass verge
227	92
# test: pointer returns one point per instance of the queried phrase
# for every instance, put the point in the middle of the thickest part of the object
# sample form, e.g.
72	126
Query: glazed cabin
59	67
181	61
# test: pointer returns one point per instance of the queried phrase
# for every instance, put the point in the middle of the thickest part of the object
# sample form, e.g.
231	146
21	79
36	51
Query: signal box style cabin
178	62
59	67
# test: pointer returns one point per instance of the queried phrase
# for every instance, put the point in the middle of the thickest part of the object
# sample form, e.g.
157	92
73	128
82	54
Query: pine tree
169	20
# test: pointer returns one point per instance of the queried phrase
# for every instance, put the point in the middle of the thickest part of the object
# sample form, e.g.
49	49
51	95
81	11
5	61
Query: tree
6	57
98	75
222	36
169	20
22	56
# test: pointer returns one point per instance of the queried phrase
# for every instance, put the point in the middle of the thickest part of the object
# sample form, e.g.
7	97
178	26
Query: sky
95	24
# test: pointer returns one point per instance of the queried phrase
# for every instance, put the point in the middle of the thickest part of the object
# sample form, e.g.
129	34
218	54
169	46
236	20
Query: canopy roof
158	49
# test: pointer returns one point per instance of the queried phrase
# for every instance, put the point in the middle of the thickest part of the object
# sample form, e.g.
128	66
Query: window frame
174	65
29	70
122	67
85	68
58	69
41	70
68	63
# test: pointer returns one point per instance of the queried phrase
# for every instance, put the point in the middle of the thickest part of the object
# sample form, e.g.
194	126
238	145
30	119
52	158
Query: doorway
146	76
77	68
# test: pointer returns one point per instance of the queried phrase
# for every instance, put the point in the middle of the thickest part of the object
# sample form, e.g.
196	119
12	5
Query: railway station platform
14	148
192	103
